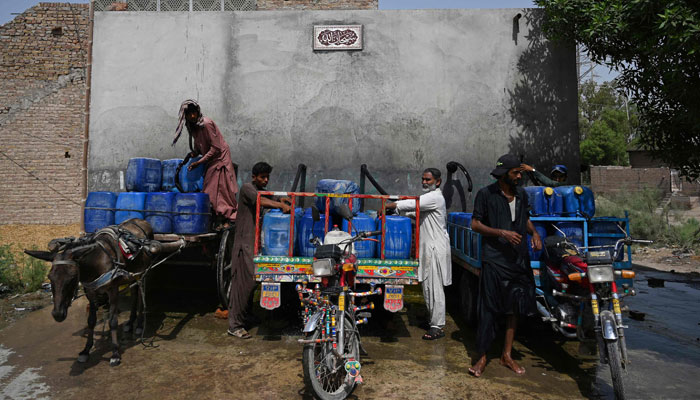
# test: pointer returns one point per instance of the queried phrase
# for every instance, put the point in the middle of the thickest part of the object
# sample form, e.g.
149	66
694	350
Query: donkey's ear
40	254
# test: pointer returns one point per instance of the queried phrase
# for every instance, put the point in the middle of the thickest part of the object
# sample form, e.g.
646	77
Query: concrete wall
430	86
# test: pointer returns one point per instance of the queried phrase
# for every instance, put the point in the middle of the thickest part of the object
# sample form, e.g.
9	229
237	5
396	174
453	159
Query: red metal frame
328	196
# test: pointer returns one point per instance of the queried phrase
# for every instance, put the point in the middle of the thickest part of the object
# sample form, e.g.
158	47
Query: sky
8	9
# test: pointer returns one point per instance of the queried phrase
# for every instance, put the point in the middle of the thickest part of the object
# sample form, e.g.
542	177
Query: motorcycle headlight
600	273
323	267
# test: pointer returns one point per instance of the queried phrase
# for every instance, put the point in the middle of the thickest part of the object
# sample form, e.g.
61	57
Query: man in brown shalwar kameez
220	179
242	266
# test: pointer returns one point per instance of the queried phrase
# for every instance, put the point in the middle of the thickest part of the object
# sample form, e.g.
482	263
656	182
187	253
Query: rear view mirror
315	214
344	211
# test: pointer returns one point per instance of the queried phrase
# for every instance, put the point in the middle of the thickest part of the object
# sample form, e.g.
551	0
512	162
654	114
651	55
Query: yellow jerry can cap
578	190
548	191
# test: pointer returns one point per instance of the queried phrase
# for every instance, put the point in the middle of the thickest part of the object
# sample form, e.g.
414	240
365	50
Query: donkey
102	266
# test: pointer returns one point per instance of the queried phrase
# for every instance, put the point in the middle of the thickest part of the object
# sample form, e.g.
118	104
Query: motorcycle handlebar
371	233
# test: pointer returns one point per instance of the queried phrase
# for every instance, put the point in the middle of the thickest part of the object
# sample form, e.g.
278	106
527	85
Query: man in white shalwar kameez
435	269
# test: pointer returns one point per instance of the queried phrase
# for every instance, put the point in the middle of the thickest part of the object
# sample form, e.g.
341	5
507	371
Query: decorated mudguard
270	295
393	298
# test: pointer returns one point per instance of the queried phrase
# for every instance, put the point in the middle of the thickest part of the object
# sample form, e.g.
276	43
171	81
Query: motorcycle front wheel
613	350
324	374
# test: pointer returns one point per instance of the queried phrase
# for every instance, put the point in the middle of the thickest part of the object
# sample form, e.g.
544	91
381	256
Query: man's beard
513	184
429	188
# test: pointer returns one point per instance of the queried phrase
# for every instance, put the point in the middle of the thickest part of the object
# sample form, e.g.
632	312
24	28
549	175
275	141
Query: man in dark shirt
242	265
506	283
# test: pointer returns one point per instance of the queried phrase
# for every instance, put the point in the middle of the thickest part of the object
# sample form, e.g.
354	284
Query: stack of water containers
275	240
564	201
545	202
577	201
152	195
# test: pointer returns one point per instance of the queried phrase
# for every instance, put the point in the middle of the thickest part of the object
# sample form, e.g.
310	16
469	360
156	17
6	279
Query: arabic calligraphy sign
338	37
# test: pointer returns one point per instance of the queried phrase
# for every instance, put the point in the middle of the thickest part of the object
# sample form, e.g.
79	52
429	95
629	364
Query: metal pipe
364	171
86	137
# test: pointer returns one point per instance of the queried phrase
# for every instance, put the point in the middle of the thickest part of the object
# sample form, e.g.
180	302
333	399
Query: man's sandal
433	334
240	333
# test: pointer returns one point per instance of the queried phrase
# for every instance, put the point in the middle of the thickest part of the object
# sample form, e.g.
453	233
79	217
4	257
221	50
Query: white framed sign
338	37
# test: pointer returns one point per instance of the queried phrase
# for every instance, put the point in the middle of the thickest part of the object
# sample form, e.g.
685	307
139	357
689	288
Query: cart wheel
223	267
468	289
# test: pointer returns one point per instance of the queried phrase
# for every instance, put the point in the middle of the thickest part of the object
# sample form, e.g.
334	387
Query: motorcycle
580	298
331	354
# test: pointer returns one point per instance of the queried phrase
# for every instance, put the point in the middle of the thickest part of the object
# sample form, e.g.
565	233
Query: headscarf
182	121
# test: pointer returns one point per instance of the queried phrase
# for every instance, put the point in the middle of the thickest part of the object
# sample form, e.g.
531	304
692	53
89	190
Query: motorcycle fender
607	323
313	321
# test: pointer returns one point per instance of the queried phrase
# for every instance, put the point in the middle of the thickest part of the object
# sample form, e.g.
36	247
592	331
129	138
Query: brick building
43	54
43	67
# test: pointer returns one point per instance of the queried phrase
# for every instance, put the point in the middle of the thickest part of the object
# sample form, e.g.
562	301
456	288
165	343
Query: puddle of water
663	349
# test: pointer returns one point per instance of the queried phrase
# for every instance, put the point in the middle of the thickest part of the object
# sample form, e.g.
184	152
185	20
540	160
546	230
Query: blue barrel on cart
398	237
542	231
544	201
159	207
191	213
578	201
308	229
169	169
144	175
132	204
572	230
360	223
275	232
98	219
337	187
192	181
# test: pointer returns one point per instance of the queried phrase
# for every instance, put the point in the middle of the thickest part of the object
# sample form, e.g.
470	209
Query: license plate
393	297
270	295
598	253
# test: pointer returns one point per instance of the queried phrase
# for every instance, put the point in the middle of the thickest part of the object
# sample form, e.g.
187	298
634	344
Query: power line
40	180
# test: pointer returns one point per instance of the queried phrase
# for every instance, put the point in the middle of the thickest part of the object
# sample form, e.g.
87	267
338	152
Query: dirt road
192	357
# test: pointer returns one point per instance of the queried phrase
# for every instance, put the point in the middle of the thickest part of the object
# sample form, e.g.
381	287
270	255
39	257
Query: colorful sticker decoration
393	298
270	295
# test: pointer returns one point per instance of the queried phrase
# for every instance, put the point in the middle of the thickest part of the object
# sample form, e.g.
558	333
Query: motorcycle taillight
351	259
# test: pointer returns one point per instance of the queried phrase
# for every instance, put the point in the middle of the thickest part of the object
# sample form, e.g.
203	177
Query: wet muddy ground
188	355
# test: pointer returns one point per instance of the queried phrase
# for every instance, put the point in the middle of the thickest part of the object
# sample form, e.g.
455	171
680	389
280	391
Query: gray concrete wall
430	86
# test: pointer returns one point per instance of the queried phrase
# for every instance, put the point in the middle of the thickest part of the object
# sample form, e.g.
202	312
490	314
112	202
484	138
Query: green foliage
606	124
23	273
655	45
604	145
646	222
34	273
9	272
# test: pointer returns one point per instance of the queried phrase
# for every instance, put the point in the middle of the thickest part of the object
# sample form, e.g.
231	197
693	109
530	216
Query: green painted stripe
309	260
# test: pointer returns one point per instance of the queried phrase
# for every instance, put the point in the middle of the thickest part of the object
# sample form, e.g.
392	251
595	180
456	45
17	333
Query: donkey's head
64	276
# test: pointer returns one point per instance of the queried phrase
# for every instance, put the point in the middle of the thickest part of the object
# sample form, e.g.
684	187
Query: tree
606	123
655	45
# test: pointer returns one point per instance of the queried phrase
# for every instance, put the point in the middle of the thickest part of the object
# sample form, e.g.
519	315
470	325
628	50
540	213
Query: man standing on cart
506	283
242	265
220	179
558	175
435	266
